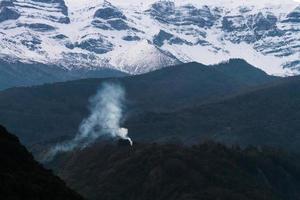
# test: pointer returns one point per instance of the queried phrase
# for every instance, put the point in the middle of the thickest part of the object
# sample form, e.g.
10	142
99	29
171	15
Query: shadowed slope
23	178
152	171
269	116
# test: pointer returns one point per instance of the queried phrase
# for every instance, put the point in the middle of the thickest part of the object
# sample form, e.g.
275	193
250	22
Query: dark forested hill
53	110
173	172
269	116
192	83
23	178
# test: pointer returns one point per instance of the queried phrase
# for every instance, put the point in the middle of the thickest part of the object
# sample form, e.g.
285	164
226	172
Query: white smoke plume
106	111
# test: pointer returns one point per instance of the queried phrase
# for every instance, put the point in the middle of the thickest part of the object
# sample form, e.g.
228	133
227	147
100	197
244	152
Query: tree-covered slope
154	171
268	116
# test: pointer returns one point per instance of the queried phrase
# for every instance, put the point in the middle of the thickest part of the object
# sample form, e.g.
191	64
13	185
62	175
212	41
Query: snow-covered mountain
138	36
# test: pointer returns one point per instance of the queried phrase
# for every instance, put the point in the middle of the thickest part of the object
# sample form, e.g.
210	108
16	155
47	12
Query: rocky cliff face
140	37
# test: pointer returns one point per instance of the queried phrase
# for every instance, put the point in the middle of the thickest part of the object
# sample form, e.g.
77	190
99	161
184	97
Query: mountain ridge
161	34
17	74
163	90
267	116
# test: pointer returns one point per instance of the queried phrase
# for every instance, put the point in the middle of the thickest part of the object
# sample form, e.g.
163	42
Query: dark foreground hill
23	178
46	112
172	172
269	116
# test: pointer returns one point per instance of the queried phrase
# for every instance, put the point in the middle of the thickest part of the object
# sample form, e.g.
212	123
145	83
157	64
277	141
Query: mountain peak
182	2
92	34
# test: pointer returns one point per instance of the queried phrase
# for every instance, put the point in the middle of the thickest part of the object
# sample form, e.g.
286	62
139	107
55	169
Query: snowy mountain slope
140	36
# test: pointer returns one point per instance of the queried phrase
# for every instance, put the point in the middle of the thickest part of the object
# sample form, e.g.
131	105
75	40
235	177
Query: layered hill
17	74
21	177
47	112
141	36
153	171
268	116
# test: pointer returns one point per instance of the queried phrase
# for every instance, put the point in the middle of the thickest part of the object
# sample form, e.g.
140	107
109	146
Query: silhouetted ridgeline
21	177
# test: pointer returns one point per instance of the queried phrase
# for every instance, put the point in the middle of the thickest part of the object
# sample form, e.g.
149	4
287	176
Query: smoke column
106	111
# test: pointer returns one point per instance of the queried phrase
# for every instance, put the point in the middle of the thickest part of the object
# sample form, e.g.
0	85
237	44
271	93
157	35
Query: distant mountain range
141	36
19	74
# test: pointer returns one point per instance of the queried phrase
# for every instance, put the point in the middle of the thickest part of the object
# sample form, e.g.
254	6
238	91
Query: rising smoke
106	111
